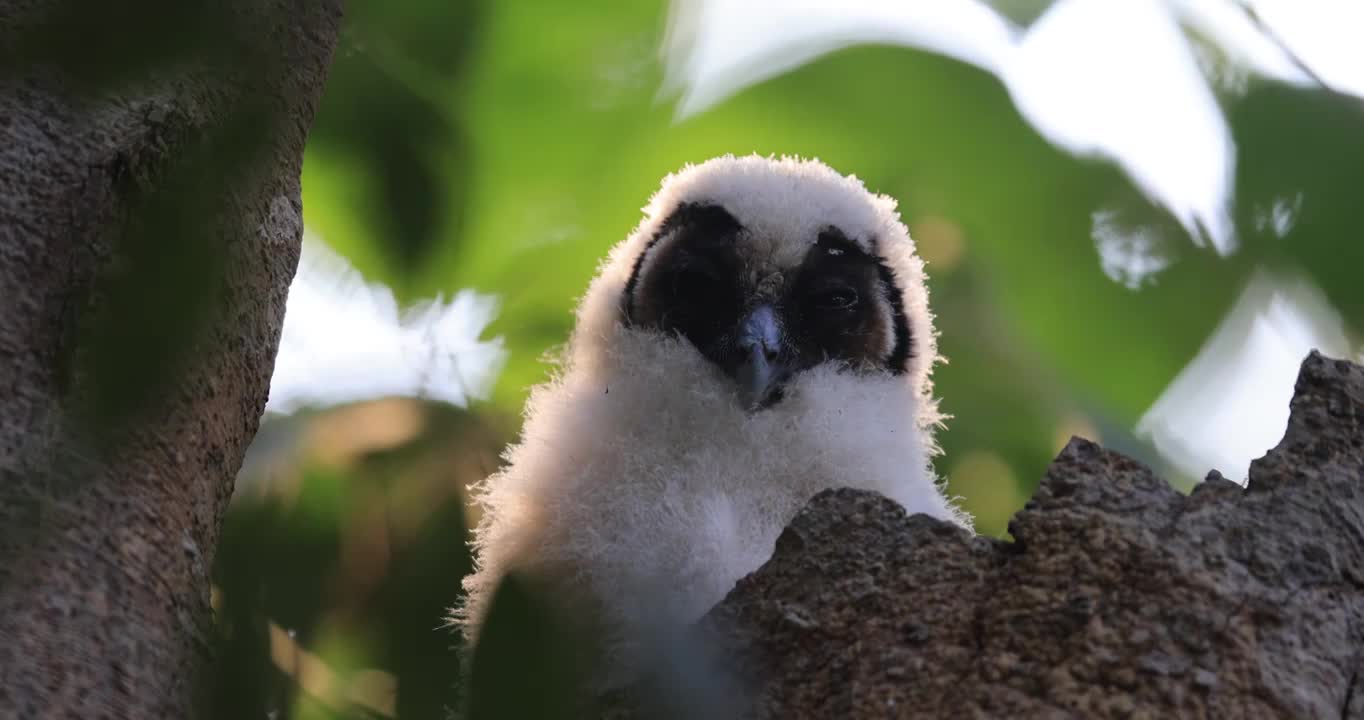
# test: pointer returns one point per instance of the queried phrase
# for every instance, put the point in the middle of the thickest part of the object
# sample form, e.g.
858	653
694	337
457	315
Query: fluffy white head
783	204
642	489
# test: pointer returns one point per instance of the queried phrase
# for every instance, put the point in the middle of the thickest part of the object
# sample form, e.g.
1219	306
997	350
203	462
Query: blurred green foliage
340	560
555	133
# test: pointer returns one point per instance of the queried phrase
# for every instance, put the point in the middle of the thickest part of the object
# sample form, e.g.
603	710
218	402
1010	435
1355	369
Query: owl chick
762	335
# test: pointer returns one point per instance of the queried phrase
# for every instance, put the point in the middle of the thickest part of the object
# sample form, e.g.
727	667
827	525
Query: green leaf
149	306
521	666
1302	153
385	173
103	48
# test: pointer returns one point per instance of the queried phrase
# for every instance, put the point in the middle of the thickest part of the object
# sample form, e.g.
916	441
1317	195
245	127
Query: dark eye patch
836	297
693	289
837	305
693	274
698	224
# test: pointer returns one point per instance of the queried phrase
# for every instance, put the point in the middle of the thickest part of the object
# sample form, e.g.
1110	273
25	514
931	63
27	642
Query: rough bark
1118	596
105	551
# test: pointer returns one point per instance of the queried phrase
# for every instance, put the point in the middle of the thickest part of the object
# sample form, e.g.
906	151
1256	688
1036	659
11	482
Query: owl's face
763	309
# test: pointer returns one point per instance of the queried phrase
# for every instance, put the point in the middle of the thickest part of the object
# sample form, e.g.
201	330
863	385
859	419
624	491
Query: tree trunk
1117	597
107	532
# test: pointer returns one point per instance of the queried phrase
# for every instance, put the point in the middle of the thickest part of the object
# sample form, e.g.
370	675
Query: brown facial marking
836	306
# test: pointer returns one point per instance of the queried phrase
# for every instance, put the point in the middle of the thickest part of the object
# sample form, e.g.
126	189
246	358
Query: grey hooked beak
761	370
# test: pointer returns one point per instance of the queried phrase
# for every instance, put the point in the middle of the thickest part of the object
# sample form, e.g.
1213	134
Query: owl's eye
837	298
694	277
